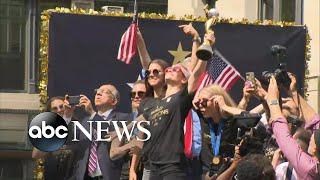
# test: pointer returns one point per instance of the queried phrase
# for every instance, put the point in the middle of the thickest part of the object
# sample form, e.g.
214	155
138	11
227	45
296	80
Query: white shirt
281	172
104	115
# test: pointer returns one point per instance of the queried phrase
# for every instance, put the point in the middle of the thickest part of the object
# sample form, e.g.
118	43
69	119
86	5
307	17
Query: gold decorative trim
44	36
307	60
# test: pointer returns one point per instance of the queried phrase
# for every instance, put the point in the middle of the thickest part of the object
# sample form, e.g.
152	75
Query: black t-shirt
145	107
166	118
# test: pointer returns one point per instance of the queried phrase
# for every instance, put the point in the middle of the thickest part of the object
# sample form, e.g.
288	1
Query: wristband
273	102
196	39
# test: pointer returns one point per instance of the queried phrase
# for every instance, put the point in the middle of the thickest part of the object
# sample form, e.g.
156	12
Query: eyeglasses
173	69
56	108
104	91
203	102
155	72
140	94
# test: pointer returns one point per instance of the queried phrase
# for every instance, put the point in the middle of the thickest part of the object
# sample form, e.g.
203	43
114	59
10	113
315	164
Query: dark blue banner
83	51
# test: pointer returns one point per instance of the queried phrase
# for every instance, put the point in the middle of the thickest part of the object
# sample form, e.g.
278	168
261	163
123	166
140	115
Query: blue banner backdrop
83	51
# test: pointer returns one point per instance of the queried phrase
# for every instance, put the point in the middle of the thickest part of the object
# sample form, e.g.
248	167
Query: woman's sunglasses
202	102
173	69
140	94
155	72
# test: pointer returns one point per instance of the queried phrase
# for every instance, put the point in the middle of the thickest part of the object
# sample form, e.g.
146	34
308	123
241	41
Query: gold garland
44	45
44	36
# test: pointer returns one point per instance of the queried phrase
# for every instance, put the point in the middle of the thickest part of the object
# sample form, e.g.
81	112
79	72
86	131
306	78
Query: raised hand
189	30
85	101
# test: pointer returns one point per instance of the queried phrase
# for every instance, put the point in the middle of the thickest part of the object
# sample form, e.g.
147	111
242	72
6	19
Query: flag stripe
222	75
232	76
226	78
128	46
220	72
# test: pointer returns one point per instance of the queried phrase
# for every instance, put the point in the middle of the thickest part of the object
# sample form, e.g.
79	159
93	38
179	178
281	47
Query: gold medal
216	160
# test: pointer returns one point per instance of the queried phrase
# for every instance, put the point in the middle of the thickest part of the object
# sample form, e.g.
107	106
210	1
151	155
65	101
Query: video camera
281	74
249	137
251	142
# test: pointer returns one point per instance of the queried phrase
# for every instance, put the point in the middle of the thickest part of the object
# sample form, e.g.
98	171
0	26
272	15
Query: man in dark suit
91	158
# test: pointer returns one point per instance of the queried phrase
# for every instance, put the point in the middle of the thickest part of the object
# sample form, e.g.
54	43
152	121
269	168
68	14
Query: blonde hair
213	89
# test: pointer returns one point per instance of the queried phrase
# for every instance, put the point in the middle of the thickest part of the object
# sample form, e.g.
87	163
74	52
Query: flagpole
135	12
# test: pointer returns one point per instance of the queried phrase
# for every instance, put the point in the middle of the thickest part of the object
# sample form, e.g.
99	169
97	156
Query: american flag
220	72
128	45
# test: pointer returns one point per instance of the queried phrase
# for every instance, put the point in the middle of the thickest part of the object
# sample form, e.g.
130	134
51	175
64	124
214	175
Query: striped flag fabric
128	45
219	71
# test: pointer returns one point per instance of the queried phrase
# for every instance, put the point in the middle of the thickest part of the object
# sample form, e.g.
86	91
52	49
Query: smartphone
250	80
73	100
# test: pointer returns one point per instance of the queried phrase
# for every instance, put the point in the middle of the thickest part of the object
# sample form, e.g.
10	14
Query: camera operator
307	113
219	132
306	165
285	170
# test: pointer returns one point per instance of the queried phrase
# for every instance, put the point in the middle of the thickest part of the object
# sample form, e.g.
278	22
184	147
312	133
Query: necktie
93	158
188	136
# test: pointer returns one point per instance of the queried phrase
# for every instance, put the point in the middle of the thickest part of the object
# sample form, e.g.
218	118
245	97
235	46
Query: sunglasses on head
155	72
56	108
140	94
173	69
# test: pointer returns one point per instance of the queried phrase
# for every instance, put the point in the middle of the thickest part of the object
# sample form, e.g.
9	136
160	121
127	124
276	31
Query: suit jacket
58	165
111	170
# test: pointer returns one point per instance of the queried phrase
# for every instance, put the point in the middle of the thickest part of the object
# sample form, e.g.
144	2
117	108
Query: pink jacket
304	164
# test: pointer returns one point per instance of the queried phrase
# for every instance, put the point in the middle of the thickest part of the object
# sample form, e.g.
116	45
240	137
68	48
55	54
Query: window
149	6
12	45
281	10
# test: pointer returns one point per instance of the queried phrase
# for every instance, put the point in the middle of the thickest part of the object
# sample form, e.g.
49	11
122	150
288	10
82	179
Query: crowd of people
228	142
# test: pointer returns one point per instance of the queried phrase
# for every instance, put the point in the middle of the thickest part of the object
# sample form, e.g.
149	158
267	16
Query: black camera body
74	100
281	73
245	123
247	134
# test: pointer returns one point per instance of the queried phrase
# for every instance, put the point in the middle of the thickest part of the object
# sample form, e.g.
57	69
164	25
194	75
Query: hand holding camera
68	107
85	101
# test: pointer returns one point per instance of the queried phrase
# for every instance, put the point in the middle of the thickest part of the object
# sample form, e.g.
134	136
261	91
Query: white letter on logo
144	130
37	135
82	129
125	129
44	130
61	136
99	130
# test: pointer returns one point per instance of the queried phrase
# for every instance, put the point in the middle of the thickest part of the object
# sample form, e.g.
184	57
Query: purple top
314	124
304	164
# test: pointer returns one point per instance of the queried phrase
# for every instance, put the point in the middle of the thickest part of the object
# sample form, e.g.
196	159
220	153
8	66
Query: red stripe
223	75
125	48
231	73
127	43
122	43
132	43
232	82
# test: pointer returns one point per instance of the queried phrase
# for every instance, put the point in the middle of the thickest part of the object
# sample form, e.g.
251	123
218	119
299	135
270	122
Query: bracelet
196	39
274	102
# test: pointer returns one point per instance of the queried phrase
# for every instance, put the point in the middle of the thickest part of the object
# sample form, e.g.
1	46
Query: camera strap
215	138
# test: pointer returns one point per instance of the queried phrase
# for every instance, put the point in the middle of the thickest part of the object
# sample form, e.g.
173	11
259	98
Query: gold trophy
205	52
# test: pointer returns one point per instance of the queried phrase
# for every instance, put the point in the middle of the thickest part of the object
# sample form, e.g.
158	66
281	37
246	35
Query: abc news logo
48	131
